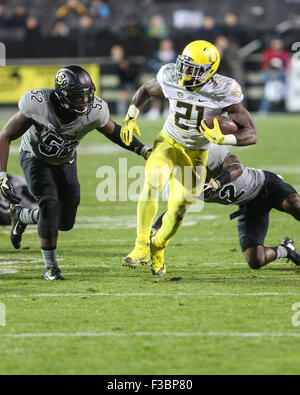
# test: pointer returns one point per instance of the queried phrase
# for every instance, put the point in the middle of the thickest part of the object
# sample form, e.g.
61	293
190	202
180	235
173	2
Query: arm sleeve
135	146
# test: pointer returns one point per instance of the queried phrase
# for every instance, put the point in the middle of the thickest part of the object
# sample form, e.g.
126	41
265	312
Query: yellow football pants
186	171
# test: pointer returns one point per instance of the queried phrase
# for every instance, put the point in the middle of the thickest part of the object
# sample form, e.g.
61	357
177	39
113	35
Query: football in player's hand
227	126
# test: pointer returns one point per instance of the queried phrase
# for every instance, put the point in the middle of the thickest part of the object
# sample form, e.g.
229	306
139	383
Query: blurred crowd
93	16
88	21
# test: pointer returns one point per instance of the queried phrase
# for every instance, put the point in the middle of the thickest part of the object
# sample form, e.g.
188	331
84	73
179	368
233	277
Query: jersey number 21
188	114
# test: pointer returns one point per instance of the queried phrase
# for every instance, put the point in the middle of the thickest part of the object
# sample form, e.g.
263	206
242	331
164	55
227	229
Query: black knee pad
48	206
48	217
68	210
254	264
66	226
67	218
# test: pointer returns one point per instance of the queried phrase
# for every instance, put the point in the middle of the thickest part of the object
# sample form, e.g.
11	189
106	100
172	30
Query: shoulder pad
100	112
32	103
166	73
230	88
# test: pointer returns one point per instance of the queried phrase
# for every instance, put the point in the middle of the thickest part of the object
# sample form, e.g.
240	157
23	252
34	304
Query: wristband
3	174
133	111
230	139
224	178
145	151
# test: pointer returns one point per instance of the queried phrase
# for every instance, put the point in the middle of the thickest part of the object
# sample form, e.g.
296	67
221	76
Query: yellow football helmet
197	64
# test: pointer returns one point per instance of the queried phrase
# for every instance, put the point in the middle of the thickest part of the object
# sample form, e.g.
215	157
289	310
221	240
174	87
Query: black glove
7	191
209	189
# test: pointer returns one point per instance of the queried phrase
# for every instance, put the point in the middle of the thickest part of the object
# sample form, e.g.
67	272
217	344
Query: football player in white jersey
195	93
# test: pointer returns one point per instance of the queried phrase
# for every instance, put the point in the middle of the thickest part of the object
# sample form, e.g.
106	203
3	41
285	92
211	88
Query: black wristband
224	178
135	146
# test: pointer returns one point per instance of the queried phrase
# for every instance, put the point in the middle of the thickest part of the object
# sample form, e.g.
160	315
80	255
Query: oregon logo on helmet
61	79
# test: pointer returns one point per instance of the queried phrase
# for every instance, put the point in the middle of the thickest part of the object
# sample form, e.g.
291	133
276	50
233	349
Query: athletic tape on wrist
133	111
230	139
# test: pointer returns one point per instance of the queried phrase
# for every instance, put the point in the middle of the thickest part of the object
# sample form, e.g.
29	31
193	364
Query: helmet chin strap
82	112
66	107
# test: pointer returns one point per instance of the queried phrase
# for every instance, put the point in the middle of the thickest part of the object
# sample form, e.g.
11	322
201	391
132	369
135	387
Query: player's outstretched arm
234	167
232	170
140	99
112	131
247	133
150	89
15	128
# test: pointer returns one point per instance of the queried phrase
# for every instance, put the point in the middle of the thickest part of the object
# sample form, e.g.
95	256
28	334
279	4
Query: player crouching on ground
52	123
22	191
195	93
256	192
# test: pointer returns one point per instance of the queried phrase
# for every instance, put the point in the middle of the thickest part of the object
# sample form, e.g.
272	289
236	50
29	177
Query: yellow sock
171	223
146	211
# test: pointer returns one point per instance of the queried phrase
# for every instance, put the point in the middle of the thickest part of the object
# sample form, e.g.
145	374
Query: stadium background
43	32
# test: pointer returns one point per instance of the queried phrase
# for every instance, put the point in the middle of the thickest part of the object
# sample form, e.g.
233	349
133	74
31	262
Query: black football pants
57	192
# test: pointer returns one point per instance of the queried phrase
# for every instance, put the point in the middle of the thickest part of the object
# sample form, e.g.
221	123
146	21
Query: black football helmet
75	89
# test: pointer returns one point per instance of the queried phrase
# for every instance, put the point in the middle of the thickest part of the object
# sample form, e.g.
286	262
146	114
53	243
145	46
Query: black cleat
53	274
17	227
293	254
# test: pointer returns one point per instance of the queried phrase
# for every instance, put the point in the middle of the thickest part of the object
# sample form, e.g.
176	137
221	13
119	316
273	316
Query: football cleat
140	255
293	254
17	227
53	274
158	266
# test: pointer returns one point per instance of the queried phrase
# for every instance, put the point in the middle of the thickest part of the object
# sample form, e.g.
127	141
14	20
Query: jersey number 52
55	146
188	115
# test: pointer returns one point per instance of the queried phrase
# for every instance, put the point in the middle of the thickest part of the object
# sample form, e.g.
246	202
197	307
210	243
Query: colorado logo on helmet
62	79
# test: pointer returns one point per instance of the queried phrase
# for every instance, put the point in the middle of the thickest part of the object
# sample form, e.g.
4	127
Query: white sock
26	216
281	252
50	259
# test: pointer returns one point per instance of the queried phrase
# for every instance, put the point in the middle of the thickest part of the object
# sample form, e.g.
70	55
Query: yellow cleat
158	266
140	255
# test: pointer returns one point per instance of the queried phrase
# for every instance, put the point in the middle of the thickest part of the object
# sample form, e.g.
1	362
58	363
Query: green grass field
211	315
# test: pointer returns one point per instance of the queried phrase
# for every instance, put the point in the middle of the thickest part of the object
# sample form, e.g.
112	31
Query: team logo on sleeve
238	91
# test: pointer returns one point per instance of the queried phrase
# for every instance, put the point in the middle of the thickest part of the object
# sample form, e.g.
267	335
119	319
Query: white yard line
155	334
8	271
150	294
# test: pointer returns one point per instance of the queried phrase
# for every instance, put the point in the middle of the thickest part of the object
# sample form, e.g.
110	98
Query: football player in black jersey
52	122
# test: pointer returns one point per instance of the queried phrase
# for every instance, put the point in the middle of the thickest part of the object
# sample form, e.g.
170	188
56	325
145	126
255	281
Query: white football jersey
187	109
